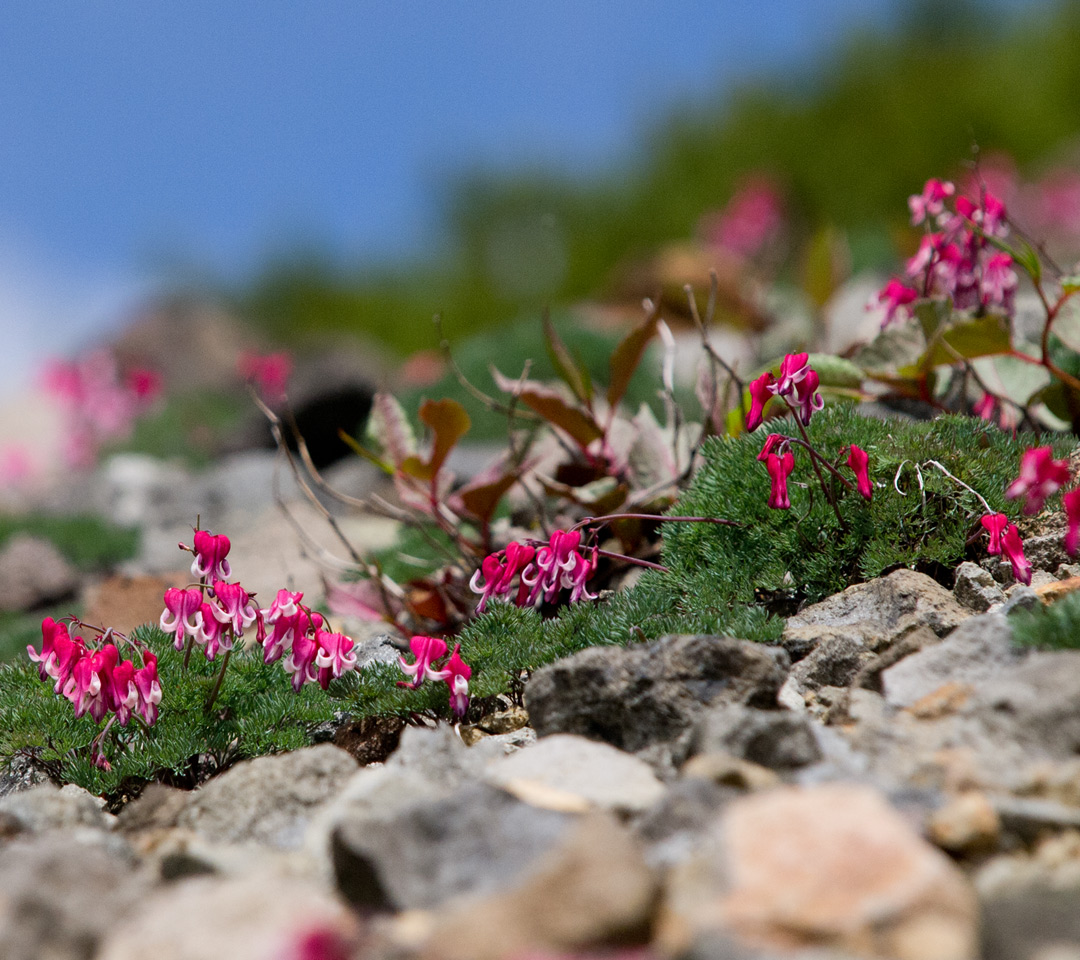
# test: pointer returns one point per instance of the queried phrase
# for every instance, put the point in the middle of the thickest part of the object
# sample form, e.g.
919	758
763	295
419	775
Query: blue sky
136	136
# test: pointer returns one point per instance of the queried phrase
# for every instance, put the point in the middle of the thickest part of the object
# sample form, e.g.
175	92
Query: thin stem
648	564
217	683
814	462
601	521
978	496
820	459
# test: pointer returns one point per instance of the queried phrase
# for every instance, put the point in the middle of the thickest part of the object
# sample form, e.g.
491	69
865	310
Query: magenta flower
89	687
334	657
931	201
779	467
895	296
182	615
1071	503
213	635
1041	476
285	604
149	688
807	399
994	524
770	443
793	370
125	695
456	673
301	660
927	253
498	571
210	552
859	462
999	281
761	392
233	606
426	650
558	566
47	655
1013	548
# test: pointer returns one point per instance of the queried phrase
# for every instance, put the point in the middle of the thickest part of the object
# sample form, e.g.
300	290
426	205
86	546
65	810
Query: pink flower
793	370
456	673
301	660
557	566
984	407
859	462
770	443
1013	548
999	282
149	688
954	274
931	201
233	606
807	399
334	658
1041	476
49	630
761	392
895	296
125	695
929	246
268	372
752	215
1071	503
89	687
285	604
426	650
210	552
498	571
182	615
779	467
213	635
994	524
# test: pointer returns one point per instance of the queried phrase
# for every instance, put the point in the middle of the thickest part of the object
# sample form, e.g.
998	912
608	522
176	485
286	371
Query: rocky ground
895	780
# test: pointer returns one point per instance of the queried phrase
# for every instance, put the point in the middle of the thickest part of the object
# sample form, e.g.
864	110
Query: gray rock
47	807
777	739
1035	705
261	916
18	774
60	897
834	662
33	572
1037	923
980	648
975	588
476	840
1020	597
377	649
596	773
268	800
876	613
639	696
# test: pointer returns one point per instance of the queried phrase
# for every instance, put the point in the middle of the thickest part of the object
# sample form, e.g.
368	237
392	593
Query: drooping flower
895	296
301	660
89	688
999	281
793	370
1013	548
761	392
426	650
779	467
498	571
1041	476
213	635
859	461
149	688
1071	503
770	444
558	566
125	695
182	615
210	552
807	399
994	524
931	201
456	673
233	606
334	658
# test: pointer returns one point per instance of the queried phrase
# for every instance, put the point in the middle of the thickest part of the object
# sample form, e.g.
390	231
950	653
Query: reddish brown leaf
627	356
449	422
482	499
565	365
550	405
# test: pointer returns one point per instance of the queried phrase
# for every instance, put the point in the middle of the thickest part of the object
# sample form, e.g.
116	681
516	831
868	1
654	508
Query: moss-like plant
1054	627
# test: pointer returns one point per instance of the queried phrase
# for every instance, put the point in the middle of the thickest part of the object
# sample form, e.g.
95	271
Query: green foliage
89	542
1053	627
804	548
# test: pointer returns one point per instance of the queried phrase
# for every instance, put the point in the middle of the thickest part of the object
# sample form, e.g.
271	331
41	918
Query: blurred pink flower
751	218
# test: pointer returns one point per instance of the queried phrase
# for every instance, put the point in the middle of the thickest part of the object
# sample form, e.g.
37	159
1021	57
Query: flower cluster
797	384
1041	476
99	404
956	259
541	571
96	680
455	671
288	628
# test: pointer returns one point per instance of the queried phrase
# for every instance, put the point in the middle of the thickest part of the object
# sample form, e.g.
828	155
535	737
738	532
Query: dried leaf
449	422
627	357
550	405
